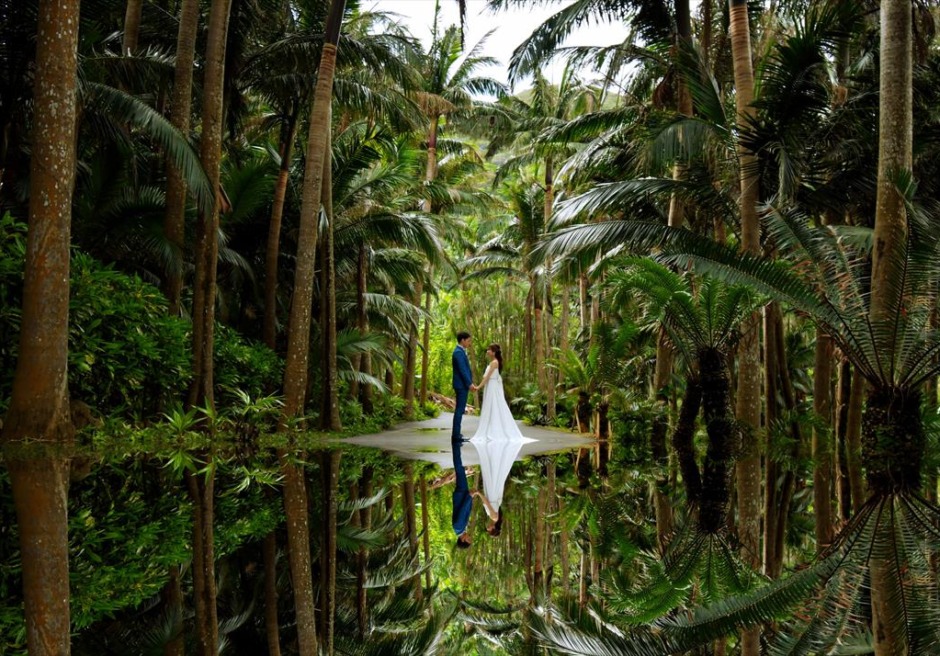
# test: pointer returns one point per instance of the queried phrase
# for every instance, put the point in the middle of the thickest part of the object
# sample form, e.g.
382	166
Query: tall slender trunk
271	624
565	319
822	441
365	517
202	495
365	364
411	356
895	129
411	521
207	242
549	317
329	417
662	375
426	531
132	15
425	348
780	479
39	405
584	303
273	250
748	388
853	440
181	101
329	469
172	599
298	342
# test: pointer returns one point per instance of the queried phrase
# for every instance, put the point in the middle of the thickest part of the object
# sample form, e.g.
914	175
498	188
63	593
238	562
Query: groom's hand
473	388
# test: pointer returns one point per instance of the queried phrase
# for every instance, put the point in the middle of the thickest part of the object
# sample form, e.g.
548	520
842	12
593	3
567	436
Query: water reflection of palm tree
496	458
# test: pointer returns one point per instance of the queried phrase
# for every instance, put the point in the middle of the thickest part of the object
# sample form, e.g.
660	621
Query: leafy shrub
126	356
244	365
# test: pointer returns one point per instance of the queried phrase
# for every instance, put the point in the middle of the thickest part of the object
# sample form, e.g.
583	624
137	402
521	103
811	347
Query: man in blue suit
463	380
462	500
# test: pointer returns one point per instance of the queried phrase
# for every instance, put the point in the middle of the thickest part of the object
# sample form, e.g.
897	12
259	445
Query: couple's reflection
496	458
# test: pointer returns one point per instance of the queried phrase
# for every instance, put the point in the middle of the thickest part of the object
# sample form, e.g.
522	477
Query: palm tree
449	81
39	406
298	346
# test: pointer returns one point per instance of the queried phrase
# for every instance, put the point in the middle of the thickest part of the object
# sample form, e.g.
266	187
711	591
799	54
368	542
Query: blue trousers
461	406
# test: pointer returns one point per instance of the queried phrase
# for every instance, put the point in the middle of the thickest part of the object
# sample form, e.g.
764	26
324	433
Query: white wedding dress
496	422
498	440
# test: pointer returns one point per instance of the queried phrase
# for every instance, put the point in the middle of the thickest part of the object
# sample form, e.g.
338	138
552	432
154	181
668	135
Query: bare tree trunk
330	474
853	441
565	317
411	521
426	347
172	599
661	379
271	624
202	494
748	389
37	431
298	343
207	242
329	417
273	250
132	15
411	355
584	303
365	364
181	101
822	442
426	532
890	236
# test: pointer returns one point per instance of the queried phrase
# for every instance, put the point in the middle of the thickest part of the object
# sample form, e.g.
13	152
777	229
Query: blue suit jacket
462	499
461	364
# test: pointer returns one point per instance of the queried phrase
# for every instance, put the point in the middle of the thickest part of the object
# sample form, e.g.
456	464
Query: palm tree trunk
298	343
661	379
564	320
181	101
202	495
853	440
273	250
172	599
425	348
411	521
426	531
583	307
365	364
365	517
39	405
822	442
271	625
411	356
132	15
329	417
748	389
329	469
207	236
888	257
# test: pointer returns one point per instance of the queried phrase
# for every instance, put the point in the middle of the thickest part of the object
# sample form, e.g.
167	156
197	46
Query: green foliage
126	356
243	365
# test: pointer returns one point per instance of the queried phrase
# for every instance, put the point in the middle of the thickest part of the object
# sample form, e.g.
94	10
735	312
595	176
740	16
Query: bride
498	440
496	422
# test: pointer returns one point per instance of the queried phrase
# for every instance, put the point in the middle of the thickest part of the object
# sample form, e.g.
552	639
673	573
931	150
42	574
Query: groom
463	381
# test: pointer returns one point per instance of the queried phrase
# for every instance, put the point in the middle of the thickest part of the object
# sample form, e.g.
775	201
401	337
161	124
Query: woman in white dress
496	422
498	440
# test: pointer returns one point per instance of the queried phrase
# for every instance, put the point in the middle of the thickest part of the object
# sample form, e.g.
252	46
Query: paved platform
430	440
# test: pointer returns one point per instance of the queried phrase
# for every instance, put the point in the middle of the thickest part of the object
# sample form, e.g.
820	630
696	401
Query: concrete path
430	440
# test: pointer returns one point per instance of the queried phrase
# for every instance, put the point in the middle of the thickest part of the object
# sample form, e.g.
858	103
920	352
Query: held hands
474	388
